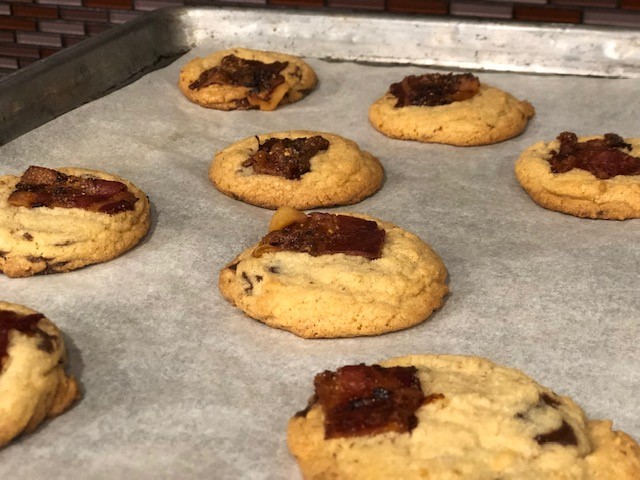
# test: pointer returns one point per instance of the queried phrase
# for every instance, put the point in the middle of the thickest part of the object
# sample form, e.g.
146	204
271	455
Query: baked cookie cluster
315	280
54	221
324	275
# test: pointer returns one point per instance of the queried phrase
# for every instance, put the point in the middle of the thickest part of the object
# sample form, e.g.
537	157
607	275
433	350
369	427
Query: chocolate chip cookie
589	177
242	79
451	417
33	383
324	275
300	169
59	220
452	109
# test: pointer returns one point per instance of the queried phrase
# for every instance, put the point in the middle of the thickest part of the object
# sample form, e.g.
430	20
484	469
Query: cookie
589	177
60	220
451	417
301	169
346	275
242	79
450	109
33	383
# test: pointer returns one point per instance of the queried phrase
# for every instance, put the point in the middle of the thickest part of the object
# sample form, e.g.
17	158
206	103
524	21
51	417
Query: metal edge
89	70
451	42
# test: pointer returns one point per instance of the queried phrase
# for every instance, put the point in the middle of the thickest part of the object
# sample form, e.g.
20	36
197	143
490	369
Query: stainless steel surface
458	43
179	384
84	72
89	70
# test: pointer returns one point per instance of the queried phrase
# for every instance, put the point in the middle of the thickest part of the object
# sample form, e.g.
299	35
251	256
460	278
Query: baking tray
179	384
117	57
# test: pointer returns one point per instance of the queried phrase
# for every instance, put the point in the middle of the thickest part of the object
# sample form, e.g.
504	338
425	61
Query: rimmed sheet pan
179	384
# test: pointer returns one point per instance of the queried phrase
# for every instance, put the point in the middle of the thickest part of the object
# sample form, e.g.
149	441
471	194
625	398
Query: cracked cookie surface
49	240
490	116
339	295
33	382
299	79
479	421
579	192
340	175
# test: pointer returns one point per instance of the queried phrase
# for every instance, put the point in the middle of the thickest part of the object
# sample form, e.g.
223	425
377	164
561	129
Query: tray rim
84	72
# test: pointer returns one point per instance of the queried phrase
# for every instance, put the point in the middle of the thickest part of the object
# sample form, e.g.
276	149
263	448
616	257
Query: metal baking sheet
179	384
104	63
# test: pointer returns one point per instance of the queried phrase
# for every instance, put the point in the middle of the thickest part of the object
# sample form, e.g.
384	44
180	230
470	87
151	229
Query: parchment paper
177	383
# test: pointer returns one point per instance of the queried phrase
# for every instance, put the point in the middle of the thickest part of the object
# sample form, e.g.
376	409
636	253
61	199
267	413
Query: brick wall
34	29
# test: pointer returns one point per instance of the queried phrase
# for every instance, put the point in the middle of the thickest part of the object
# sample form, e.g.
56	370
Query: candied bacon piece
253	74
603	157
286	157
27	324
325	233
362	400
44	187
432	89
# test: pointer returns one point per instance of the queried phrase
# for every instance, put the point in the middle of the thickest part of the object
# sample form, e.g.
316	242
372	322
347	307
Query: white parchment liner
179	384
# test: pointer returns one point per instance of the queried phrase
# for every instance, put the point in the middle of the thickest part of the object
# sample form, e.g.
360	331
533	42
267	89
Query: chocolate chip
26	324
65	244
27	236
274	270
248	290
549	400
563	436
243	104
53	267
46	342
233	267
